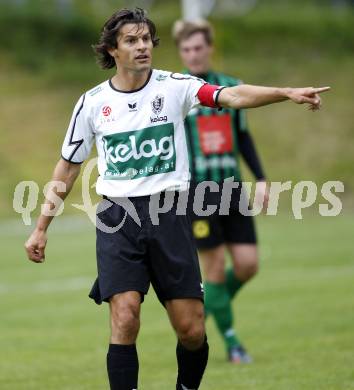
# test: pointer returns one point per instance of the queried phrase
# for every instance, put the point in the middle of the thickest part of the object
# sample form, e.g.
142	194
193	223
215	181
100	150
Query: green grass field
296	317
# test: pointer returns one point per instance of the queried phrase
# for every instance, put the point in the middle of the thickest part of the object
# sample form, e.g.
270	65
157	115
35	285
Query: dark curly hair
110	31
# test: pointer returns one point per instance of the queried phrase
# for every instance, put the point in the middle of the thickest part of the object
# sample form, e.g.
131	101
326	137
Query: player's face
134	48
195	53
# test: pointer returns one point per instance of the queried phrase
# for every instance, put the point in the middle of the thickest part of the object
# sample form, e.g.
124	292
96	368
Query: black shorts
214	230
133	256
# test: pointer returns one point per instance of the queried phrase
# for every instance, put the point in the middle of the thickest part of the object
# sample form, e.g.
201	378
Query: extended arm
67	173
251	96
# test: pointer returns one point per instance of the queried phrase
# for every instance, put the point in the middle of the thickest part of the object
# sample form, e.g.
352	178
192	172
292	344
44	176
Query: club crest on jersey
157	104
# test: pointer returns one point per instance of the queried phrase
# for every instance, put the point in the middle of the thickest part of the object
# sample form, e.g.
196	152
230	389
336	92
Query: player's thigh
213	263
208	236
241	240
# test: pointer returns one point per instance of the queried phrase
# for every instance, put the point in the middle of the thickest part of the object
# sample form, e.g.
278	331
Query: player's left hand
308	95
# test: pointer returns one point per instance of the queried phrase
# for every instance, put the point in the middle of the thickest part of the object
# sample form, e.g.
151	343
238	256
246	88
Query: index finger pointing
322	89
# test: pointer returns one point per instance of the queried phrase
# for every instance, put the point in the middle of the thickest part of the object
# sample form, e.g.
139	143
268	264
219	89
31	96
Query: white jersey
139	134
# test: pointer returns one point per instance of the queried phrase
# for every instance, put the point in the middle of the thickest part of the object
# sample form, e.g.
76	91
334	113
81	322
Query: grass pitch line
63	224
48	286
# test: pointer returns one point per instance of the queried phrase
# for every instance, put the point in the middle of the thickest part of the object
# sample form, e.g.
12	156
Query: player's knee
191	333
125	320
192	337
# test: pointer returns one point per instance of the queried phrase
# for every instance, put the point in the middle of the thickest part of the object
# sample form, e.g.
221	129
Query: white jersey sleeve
79	137
188	90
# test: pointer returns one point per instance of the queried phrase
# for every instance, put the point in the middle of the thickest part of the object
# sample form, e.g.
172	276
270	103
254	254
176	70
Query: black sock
122	367
191	366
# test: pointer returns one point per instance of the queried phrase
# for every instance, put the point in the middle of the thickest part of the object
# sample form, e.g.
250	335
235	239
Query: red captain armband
208	95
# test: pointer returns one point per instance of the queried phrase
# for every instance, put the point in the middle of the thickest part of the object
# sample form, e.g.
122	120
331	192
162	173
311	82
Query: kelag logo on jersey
140	153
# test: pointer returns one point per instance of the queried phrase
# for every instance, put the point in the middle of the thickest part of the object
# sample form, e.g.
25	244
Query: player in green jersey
216	139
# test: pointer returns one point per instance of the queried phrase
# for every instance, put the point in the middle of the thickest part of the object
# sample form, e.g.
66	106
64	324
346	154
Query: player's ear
112	51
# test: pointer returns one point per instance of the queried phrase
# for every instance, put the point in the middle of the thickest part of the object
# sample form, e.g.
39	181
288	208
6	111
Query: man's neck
127	80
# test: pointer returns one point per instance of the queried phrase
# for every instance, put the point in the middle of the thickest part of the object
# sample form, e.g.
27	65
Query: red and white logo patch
106	110
215	134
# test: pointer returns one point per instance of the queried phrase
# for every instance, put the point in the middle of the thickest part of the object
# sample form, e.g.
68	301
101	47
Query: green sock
218	303
233	284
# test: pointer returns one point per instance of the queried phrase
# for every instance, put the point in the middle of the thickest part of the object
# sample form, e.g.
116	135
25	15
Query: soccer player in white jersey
136	119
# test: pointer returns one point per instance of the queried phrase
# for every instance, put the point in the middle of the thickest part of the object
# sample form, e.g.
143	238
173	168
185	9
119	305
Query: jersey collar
132	90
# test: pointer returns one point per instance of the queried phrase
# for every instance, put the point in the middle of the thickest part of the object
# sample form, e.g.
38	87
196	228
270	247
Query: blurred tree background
46	63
